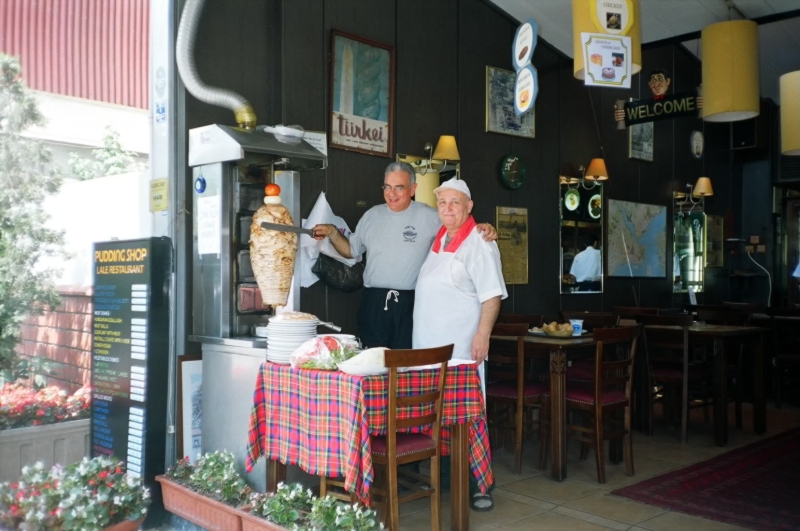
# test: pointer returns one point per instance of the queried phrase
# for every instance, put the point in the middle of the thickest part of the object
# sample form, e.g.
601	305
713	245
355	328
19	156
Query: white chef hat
454	184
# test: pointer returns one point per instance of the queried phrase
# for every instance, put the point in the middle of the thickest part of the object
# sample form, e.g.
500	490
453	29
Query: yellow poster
159	192
512	228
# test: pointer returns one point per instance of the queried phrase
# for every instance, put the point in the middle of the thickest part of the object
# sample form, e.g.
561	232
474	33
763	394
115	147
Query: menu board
130	330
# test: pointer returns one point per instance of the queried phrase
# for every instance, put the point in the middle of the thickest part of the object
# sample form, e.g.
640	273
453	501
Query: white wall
102	209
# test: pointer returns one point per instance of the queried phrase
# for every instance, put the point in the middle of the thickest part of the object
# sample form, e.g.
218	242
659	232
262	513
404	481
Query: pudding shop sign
526	83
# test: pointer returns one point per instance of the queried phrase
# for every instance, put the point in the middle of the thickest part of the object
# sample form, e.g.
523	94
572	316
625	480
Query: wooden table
538	347
720	335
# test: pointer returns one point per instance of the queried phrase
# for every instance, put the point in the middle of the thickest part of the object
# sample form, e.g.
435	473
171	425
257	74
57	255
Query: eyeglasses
398	188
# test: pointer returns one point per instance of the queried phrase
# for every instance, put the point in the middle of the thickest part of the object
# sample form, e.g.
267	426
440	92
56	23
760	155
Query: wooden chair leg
544	433
392	495
323	486
600	454
627	443
584	445
518	429
436	496
739	391
778	382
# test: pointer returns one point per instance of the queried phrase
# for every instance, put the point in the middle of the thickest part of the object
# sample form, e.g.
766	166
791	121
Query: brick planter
63	443
198	509
254	523
127	525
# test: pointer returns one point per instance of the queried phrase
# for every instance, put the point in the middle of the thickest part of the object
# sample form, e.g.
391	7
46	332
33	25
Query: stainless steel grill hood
221	143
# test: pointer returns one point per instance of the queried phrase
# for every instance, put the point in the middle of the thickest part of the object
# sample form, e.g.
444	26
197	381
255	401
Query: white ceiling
779	42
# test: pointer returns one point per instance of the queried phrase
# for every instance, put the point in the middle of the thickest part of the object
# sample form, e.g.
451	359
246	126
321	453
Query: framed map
512	240
637	239
500	114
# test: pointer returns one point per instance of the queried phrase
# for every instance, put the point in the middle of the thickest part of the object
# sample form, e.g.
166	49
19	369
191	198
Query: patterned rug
756	486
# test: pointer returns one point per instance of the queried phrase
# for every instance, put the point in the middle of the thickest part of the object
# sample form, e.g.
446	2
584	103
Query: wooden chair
746	307
672	372
630	312
530	319
399	447
615	349
785	328
507	387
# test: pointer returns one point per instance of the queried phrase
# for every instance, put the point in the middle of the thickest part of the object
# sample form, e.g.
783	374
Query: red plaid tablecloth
322	420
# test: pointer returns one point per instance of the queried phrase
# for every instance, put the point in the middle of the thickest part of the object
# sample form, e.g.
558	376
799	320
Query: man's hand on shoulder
488	232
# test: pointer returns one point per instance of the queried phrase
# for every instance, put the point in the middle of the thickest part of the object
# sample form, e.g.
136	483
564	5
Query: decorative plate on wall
596	206
512	172
572	199
697	143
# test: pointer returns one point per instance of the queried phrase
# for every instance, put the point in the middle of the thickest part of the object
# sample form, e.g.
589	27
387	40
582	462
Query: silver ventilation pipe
184	57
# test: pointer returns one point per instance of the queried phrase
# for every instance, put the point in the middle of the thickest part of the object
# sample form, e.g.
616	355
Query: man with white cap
459	289
396	236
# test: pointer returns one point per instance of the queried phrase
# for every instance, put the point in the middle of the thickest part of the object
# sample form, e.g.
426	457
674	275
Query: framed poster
512	239
640	141
500	115
637	239
362	95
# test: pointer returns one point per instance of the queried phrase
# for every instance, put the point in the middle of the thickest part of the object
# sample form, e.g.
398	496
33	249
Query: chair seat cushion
407	443
675	374
585	395
508	389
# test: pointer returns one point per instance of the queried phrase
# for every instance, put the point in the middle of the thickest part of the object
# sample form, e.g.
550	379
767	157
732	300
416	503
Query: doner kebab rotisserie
272	253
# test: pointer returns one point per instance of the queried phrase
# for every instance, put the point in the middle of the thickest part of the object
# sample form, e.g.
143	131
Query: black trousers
386	318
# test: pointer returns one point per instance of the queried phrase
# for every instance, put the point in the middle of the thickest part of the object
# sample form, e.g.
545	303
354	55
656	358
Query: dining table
322	421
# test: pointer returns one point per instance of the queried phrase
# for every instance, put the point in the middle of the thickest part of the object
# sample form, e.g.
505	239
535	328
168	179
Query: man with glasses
397	237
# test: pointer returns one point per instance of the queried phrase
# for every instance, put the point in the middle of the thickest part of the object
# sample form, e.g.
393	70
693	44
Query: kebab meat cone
272	253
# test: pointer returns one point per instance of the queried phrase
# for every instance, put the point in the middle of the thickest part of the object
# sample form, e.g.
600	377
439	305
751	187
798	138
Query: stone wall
63	335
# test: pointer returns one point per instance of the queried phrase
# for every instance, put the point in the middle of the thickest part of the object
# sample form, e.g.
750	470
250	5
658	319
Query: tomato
272	189
331	343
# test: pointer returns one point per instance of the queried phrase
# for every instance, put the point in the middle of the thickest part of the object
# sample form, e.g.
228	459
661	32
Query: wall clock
512	172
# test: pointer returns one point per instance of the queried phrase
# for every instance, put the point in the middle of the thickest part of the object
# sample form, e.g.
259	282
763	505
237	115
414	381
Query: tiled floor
533	501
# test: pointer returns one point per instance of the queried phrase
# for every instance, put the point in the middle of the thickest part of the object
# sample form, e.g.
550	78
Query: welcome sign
666	108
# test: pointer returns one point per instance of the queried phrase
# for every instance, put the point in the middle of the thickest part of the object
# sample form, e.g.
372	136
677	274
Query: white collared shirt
586	265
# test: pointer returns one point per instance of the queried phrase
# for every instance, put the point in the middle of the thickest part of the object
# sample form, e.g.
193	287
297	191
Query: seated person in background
458	292
587	266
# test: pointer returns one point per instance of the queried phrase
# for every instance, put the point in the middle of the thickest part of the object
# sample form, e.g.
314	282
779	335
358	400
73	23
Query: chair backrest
506	359
724	317
785	326
746	307
630	312
655	338
531	320
692	308
397	358
592	320
615	349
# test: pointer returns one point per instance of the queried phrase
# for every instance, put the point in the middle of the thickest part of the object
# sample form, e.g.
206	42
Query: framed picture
640	142
190	406
512	240
362	95
500	115
637	239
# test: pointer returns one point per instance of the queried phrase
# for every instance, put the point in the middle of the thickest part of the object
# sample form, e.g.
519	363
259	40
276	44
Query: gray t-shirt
396	244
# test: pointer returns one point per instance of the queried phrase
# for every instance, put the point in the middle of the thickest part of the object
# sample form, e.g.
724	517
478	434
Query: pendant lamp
620	17
790	114
730	71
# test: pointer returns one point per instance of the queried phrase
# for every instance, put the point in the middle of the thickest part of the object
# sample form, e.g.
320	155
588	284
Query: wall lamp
437	161
595	172
697	193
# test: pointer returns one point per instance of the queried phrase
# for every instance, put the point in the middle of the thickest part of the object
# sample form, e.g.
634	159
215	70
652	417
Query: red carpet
756	486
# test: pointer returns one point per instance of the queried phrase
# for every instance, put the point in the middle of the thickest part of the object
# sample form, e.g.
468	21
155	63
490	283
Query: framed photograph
190	406
512	239
362	95
640	142
637	240
500	115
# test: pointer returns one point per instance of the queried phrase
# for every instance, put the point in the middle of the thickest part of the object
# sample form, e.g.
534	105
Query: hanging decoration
660	107
609	18
526	84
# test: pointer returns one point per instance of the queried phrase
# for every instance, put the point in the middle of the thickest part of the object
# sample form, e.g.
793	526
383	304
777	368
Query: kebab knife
286	228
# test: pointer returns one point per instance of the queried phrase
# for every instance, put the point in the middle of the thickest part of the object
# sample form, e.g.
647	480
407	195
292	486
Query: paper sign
159	193
526	89
524	44
208	224
606	60
318	141
613	16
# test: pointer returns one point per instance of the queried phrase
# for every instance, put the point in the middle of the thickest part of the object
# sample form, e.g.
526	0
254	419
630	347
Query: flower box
254	523
198	509
127	525
63	443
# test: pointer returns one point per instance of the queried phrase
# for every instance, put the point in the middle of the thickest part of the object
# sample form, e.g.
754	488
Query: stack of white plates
284	336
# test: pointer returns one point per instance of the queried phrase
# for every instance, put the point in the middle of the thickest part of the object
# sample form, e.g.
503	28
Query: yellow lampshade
597	170
585	19
446	148
426	183
790	113
730	71
702	188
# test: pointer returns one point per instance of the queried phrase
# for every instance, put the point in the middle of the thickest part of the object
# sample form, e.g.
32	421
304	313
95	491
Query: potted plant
206	493
92	495
294	507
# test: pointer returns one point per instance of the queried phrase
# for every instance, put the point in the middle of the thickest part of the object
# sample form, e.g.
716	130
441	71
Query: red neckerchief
459	238
659	96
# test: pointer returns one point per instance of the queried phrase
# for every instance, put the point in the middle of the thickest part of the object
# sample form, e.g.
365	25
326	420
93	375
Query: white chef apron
446	307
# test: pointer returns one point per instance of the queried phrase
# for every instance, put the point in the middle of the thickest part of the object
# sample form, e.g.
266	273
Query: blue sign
526	88
524	43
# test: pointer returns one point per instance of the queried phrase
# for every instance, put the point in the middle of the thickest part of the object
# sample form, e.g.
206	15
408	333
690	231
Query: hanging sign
524	44
606	60
613	17
526	89
664	108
